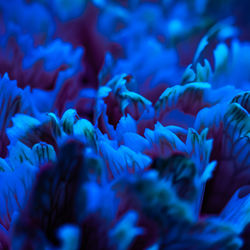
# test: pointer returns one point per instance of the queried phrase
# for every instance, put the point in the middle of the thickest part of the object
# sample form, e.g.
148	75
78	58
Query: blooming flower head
124	125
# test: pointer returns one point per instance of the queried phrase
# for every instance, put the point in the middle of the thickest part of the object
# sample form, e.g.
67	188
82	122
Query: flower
115	133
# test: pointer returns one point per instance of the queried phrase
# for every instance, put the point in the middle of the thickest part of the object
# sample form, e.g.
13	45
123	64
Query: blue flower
115	133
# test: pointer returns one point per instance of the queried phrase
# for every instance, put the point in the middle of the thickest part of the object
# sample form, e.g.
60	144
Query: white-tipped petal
43	153
69	118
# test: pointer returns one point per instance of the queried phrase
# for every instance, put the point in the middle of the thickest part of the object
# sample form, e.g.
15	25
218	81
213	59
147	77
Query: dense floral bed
124	124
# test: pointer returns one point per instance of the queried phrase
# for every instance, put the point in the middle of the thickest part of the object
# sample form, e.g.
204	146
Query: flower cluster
124	125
